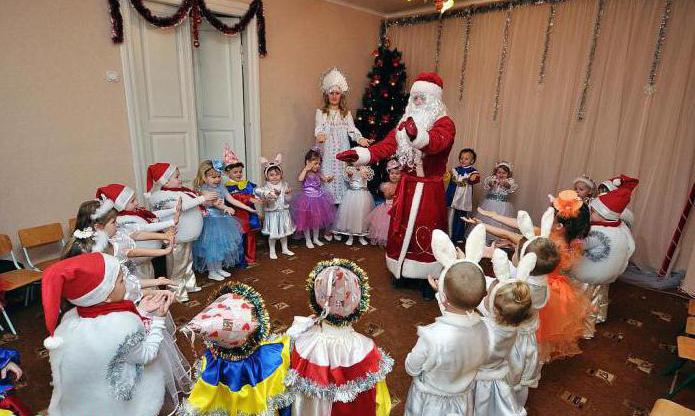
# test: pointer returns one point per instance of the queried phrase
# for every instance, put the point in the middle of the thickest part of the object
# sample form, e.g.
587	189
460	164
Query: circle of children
112	346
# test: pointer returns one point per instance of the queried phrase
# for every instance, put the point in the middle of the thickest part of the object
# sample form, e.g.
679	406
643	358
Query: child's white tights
308	239
283	243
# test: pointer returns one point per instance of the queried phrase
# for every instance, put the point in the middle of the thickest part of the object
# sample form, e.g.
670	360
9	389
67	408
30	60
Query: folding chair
71	224
15	279
664	407
41	236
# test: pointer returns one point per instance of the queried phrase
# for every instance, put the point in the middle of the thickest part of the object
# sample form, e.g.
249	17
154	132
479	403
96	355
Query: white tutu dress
357	203
497	200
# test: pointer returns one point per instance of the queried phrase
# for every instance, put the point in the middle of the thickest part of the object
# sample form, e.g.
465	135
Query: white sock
285	249
363	241
271	248
349	241
316	237
307	239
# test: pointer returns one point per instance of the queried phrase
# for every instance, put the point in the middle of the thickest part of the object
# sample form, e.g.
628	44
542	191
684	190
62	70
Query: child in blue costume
459	194
243	369
10	404
242	190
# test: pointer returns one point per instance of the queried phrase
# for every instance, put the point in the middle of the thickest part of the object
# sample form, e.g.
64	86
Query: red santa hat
159	172
611	204
428	83
119	194
84	280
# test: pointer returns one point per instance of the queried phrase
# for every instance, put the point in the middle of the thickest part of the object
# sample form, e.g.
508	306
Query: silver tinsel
119	379
344	393
546	43
438	49
650	88
466	48
503	62
590	64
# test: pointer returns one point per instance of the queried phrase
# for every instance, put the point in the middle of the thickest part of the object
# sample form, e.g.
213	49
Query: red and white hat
119	194
83	280
428	83
611	204
159	172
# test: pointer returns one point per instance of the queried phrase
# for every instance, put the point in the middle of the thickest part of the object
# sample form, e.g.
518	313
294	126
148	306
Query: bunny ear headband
445	251
267	164
500	265
527	230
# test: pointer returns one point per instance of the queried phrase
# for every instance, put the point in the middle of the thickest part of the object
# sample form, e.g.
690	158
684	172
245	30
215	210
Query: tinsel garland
650	88
546	43
590	64
503	62
438	48
364	289
466	48
196	10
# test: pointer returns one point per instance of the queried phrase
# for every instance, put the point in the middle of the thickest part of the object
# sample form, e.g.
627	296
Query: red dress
420	195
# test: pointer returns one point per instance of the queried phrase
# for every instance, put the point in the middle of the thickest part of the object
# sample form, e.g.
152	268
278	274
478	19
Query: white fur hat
333	80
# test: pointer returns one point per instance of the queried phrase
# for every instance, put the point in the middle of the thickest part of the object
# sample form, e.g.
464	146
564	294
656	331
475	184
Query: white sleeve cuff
422	139
364	155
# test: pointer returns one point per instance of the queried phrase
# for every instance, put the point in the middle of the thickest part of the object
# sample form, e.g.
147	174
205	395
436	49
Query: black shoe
427	291
397	283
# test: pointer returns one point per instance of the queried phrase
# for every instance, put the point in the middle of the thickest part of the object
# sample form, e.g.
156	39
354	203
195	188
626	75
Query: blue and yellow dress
250	386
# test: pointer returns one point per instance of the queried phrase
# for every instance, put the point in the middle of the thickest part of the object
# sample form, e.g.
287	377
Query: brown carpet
634	330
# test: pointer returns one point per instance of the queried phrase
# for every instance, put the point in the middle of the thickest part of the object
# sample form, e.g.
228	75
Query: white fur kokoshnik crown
586	180
500	265
333	80
528	231
505	164
267	164
445	251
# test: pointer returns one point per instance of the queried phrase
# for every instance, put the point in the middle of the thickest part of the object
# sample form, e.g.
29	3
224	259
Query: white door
164	95
219	87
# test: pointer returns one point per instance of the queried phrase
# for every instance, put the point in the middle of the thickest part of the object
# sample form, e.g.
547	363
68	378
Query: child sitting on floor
449	351
11	405
336	370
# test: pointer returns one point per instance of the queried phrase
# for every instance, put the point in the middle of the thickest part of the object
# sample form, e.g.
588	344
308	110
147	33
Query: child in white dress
499	186
446	357
506	307
356	206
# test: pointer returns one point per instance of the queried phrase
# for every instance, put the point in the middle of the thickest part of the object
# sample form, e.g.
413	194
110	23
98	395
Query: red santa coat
419	205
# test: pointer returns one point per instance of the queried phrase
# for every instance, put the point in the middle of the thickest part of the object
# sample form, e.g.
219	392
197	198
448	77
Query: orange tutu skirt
561	319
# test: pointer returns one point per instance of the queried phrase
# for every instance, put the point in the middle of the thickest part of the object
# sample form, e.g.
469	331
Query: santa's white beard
424	115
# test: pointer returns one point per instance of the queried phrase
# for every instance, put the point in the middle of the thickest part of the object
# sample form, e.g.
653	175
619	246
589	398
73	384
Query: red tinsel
196	9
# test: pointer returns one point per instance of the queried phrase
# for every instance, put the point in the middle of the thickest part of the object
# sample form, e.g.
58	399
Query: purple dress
314	208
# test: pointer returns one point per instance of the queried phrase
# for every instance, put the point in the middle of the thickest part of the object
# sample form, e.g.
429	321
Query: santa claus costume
421	142
627	216
180	261
243	368
607	249
334	369
102	360
133	218
242	190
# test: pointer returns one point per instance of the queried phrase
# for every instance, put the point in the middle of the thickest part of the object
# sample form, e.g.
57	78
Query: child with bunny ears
448	353
506	308
275	194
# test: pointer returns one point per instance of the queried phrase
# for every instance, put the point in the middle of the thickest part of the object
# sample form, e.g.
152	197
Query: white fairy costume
278	221
129	224
357	203
448	353
339	131
497	200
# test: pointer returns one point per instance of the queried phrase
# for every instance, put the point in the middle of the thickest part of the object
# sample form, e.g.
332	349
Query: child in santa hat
351	219
334	369
134	220
180	260
607	248
242	190
380	217
103	361
244	367
448	352
627	216
274	196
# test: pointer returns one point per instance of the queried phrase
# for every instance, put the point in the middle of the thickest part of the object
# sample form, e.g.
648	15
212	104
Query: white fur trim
99	294
167	174
414	209
123	198
427	88
105	205
597	205
413	269
422	139
364	156
52	343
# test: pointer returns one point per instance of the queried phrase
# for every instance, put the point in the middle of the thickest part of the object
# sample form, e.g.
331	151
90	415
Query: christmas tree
383	103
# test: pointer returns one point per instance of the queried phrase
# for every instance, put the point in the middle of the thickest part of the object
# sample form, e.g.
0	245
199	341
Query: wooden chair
664	407
691	307
15	279
71	224
41	236
686	352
